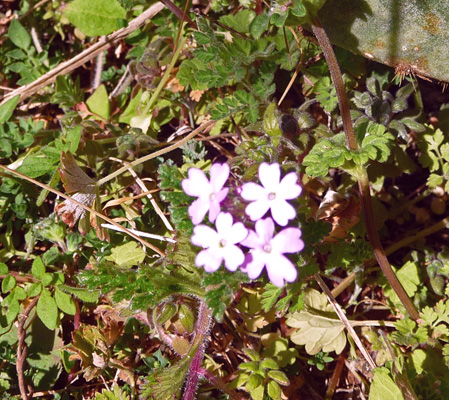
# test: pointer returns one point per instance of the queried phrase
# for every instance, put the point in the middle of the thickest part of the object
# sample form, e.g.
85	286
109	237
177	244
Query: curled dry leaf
83	188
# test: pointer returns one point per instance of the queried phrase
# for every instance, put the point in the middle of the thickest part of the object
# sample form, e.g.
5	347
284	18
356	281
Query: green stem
166	76
363	180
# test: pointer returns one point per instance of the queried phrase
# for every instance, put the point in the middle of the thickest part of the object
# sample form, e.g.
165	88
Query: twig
67	66
391	249
22	351
345	320
362	175
155	154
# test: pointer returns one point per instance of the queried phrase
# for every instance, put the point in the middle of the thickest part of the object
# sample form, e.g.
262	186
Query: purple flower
220	244
272	194
267	251
210	193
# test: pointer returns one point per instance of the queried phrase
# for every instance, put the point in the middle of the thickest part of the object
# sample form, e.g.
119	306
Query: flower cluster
265	248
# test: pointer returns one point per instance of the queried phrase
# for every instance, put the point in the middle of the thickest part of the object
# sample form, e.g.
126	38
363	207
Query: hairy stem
351	143
202	328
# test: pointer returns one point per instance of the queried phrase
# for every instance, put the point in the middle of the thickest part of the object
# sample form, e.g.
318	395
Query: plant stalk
363	180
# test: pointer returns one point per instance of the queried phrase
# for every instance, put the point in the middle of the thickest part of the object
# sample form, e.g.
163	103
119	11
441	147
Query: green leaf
35	166
19	35
95	17
8	284
274	390
7	109
3	269
38	268
64	302
85	295
434	180
35	289
99	104
270	296
318	327
279	377
127	255
47	309
240	21
269	363
259	25
383	386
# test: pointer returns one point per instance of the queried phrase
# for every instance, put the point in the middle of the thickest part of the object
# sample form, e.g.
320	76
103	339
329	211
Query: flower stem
363	180
201	334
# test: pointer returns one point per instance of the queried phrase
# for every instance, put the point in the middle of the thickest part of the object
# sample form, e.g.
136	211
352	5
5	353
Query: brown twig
22	351
345	321
362	175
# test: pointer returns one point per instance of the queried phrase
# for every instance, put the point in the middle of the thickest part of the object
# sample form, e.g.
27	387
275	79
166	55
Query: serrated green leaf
318	327
47	309
38	268
383	386
270	296
19	35
64	302
85	295
240	21
35	166
127	255
434	180
95	17
259	25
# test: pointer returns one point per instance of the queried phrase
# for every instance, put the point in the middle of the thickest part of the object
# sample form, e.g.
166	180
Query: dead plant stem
363	180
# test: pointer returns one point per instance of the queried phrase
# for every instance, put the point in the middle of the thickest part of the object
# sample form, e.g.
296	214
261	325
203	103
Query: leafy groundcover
207	200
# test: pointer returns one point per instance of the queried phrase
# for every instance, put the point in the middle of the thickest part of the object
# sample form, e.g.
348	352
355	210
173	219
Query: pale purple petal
208	260
254	264
234	257
269	176
221	195
282	212
204	236
196	184
219	173
252	241
281	268
223	223
257	209
265	230
288	188
237	234
214	210
253	191
288	241
198	210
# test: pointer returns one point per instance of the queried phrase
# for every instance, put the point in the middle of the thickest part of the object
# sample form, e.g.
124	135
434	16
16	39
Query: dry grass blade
91	210
88	54
345	321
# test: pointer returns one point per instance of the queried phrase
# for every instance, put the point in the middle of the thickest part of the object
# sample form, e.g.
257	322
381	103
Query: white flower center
222	243
271	196
266	248
212	196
